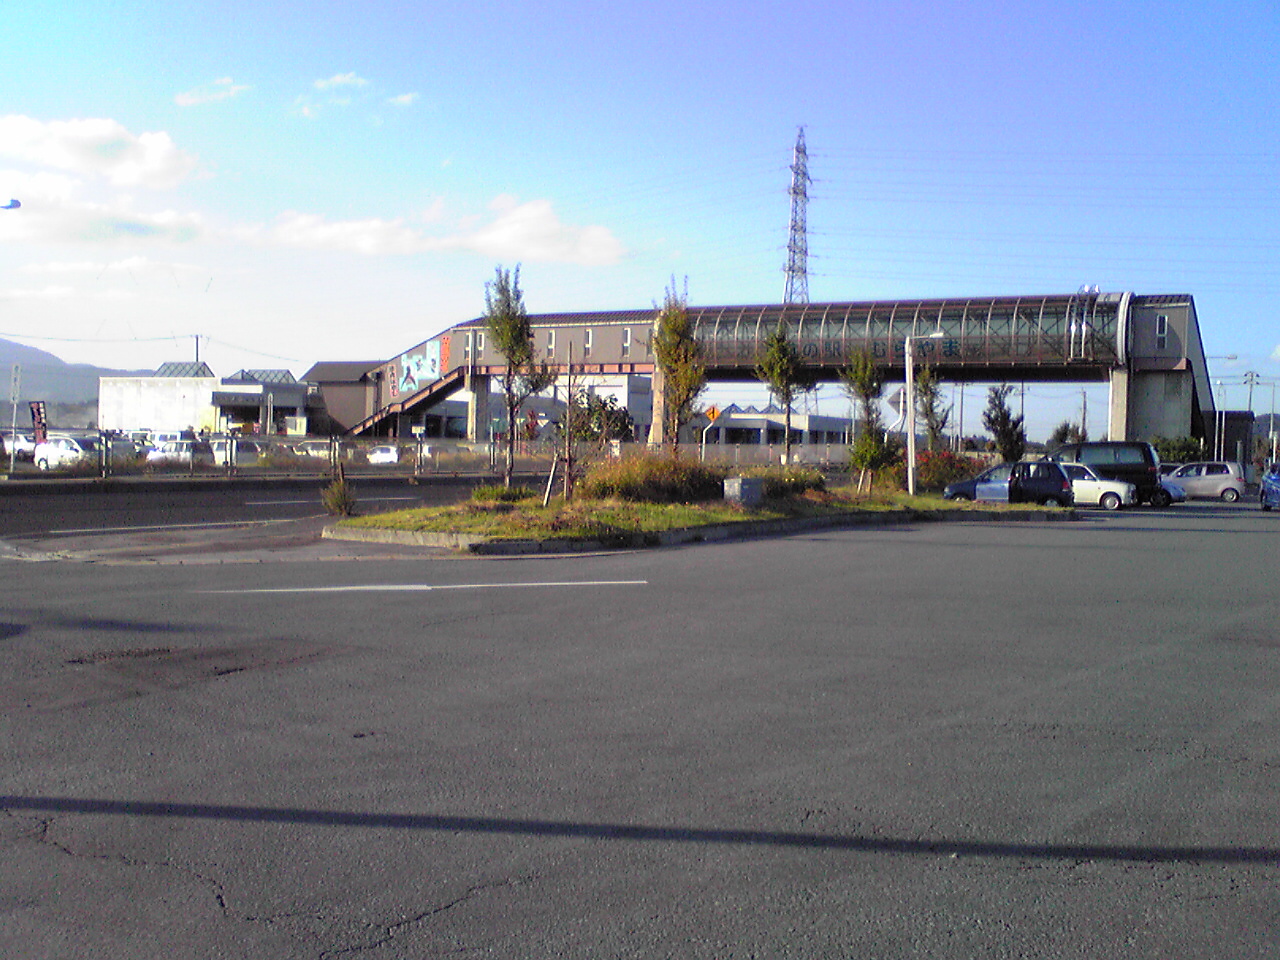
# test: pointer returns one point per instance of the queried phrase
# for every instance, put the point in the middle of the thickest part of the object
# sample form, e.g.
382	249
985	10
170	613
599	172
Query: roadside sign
713	414
15	383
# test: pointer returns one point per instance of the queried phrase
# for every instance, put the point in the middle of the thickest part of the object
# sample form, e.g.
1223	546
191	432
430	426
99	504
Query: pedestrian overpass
1146	347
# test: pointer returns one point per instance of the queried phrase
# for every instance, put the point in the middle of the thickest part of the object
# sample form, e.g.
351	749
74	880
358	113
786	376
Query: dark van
1133	461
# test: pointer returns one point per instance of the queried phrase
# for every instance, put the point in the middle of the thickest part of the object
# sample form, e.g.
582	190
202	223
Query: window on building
466	347
1162	331
551	343
626	341
479	343
586	344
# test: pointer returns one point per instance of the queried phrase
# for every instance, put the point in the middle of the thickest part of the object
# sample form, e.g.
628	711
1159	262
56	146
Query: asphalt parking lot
944	740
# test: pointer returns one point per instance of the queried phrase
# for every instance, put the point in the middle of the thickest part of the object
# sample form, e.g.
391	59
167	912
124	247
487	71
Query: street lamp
910	401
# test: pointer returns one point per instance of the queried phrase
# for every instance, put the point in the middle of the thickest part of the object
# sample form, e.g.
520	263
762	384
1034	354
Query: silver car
1092	490
1211	480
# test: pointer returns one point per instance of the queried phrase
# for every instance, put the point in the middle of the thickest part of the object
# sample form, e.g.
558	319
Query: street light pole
910	401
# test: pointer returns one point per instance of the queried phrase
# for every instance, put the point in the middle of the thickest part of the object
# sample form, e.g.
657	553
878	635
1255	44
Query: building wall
347	403
157	403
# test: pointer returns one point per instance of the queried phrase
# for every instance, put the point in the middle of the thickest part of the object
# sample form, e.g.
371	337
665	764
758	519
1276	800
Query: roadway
1041	740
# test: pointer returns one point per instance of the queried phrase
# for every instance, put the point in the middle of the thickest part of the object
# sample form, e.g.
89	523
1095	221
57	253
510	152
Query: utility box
747	491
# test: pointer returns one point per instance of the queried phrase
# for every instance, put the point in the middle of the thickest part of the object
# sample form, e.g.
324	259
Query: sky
273	185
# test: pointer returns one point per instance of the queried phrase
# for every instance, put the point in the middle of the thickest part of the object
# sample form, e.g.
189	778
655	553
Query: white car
185	452
1091	490
63	450
384	454
21	445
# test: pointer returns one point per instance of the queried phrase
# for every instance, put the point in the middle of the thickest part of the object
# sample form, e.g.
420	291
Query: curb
711	533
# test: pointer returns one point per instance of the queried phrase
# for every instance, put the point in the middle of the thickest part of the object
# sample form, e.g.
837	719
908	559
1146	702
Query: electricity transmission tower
798	243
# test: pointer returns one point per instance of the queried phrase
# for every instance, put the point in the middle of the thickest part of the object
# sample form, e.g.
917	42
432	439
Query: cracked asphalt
1039	740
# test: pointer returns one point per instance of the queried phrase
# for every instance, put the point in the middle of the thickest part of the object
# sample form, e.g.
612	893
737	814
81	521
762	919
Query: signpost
712	414
13	426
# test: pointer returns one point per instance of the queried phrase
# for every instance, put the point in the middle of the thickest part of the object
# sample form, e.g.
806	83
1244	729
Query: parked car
384	454
60	450
184	452
1090	489
991	484
1175	492
1211	480
313	448
21	445
1027	481
1269	488
247	452
1132	461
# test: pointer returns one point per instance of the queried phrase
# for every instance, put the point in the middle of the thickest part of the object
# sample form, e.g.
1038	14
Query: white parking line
426	587
168	526
279	503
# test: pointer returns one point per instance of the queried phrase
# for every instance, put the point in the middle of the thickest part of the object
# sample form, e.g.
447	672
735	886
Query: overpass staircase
430	394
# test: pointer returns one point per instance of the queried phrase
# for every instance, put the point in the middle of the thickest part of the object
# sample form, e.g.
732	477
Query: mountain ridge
45	376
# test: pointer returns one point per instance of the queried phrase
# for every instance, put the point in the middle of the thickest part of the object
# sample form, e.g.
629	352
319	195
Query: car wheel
1161	499
1050	502
1110	501
962	496
42	464
1230	495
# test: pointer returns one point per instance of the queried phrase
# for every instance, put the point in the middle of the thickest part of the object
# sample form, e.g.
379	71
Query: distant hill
49	378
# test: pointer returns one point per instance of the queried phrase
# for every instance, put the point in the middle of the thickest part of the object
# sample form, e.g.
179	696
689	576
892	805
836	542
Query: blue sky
297	182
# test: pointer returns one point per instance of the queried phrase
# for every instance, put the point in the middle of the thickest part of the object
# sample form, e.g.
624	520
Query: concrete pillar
1118	405
658	428
478	408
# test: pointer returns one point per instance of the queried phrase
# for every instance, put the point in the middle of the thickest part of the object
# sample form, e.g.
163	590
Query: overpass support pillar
1118	405
478	407
658	426
1151	403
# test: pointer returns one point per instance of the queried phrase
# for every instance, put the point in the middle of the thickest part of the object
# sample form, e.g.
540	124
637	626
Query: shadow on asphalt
606	831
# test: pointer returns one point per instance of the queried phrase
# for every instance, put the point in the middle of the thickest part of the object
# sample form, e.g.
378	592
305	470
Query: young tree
780	368
929	403
1010	437
863	381
512	332
1067	432
683	375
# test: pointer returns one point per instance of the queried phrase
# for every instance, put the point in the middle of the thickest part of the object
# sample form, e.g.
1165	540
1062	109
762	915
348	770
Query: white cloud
221	89
404	100
135	266
532	231
52	213
341	80
527	232
372	236
99	147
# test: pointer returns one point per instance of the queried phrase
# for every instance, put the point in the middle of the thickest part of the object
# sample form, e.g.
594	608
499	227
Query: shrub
654	478
339	497
496	492
937	469
788	481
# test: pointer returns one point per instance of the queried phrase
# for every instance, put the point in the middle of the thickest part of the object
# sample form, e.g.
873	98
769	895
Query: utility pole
797	289
1084	413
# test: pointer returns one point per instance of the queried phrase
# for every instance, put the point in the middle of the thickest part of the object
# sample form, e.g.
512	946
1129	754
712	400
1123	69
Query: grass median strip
615	520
